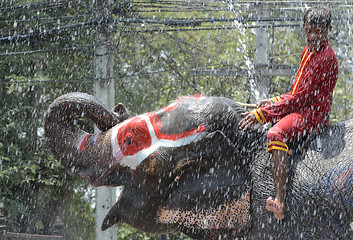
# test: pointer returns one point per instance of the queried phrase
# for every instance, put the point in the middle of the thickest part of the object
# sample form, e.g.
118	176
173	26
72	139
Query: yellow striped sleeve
279	148
276	145
257	117
276	99
262	115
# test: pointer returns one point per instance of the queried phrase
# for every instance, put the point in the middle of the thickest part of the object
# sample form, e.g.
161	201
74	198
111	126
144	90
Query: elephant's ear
213	150
216	198
121	112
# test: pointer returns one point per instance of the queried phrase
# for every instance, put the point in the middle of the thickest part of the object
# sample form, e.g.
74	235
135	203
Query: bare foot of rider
276	207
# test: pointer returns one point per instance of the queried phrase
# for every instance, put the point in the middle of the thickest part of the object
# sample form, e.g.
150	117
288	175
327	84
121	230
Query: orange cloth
289	128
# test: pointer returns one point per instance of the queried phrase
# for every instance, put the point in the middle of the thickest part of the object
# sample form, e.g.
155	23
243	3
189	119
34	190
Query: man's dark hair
318	16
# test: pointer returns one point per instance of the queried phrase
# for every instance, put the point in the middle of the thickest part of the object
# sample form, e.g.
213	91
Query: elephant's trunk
88	155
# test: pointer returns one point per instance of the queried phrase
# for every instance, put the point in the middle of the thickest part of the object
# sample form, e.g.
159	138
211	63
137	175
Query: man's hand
248	120
264	102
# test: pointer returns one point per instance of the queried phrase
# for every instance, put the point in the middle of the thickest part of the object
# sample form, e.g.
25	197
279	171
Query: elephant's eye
128	140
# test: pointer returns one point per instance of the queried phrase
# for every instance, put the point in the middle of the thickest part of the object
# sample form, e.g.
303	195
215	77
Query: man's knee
273	134
277	140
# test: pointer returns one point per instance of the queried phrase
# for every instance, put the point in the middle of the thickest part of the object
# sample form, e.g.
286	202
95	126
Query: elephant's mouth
232	214
210	200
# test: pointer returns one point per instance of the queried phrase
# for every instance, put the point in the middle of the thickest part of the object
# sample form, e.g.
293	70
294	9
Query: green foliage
33	185
342	107
127	232
79	214
171	55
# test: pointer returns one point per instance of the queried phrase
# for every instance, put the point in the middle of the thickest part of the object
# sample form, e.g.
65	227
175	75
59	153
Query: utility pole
260	77
262	40
104	90
3	227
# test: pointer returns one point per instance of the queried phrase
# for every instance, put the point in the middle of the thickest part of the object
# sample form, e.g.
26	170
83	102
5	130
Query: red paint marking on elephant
176	103
340	182
171	106
157	126
84	141
134	136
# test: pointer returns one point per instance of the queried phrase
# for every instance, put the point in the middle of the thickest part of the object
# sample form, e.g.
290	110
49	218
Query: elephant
187	167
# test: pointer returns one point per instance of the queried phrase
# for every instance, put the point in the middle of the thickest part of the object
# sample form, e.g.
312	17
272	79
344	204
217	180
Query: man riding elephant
188	168
305	108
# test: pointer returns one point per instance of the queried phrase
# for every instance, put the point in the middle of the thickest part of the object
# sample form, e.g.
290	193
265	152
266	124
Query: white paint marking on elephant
351	225
80	140
150	129
117	154
134	160
96	137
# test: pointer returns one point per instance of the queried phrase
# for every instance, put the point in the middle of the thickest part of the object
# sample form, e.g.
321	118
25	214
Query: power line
20	25
276	3
42	4
175	7
117	77
207	28
176	22
198	21
20	38
175	10
24	37
44	51
214	2
181	7
46	18
244	4
48	81
188	23
182	3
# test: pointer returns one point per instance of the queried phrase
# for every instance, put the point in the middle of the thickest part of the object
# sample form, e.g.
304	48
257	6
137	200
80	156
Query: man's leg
279	169
285	130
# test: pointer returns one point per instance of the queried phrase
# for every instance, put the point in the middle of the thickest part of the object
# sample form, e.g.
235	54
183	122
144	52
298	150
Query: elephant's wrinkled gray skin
187	167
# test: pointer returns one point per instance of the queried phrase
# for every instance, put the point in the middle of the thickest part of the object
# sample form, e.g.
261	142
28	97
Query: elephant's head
88	155
183	158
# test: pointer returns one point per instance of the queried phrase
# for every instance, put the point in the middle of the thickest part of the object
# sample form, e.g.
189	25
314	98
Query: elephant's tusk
246	105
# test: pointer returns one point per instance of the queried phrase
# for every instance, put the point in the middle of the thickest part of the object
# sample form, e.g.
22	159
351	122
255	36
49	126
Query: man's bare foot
276	207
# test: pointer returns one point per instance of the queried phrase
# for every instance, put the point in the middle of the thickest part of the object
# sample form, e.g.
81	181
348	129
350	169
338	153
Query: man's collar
321	48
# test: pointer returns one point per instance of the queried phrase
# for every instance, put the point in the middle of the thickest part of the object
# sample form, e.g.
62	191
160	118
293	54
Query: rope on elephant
247	105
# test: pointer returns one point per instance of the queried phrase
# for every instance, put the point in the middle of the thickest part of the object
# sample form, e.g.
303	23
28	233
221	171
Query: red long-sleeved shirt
311	92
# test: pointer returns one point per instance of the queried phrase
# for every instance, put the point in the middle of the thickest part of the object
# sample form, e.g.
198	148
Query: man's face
315	35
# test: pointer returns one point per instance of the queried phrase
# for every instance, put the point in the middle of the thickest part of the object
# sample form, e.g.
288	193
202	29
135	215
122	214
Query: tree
35	189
